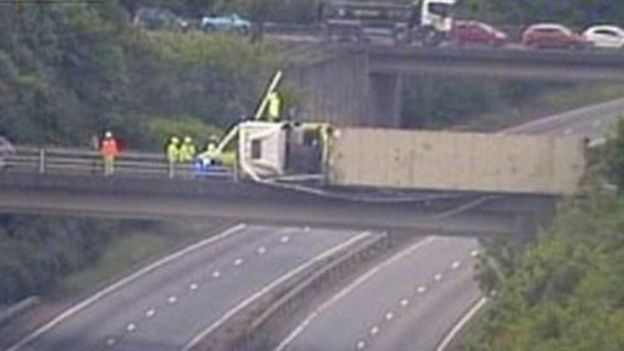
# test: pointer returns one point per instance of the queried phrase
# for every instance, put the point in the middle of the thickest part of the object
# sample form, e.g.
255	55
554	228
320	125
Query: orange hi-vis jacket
109	147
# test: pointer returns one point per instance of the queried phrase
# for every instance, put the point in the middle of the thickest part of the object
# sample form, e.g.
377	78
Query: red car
551	35
475	32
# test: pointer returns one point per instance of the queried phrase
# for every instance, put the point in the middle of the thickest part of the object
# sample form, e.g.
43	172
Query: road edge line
461	324
121	283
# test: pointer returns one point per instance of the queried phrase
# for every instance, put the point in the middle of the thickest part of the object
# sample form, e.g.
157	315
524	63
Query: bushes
35	252
68	71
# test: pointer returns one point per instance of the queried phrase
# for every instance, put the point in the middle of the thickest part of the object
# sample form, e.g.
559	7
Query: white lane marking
422	289
460	324
193	286
389	316
262	250
360	345
474	253
111	342
131	327
238	262
285	239
172	299
456	264
374	330
150	313
404	303
265	290
345	291
437	277
216	274
123	282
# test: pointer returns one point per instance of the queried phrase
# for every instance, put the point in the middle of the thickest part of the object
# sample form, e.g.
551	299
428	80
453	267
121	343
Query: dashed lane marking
422	289
374	330
123	282
131	327
456	264
111	342
193	286
216	274
360	345
389	316
172	299
150	313
437	277
261	250
404	303
238	262
285	239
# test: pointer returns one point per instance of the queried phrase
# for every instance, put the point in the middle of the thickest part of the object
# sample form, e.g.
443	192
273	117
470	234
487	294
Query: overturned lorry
410	159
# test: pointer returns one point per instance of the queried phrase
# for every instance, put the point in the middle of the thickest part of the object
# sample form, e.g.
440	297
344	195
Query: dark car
552	35
475	32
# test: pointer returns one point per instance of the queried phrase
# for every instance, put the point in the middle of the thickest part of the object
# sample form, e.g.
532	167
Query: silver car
6	150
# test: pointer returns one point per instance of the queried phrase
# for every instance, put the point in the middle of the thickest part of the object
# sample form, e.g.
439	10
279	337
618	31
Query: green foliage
164	128
431	102
36	251
70	70
565	292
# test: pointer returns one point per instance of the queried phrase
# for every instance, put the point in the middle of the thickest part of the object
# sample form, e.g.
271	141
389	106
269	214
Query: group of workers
181	151
176	152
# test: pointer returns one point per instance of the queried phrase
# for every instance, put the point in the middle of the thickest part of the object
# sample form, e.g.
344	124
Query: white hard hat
108	134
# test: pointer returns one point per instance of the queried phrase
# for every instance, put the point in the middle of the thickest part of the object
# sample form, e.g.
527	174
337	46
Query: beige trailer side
456	161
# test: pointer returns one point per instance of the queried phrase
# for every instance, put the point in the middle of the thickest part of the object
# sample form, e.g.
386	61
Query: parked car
159	18
552	35
475	32
604	36
229	23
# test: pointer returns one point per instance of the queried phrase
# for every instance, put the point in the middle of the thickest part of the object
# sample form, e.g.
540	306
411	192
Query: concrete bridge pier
341	90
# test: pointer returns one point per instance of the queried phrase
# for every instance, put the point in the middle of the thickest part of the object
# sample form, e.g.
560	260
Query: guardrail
86	162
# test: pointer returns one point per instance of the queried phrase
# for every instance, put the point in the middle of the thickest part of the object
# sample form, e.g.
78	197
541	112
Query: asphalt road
165	308
407	303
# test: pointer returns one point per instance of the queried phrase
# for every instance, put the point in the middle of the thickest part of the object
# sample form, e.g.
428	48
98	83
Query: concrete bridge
361	85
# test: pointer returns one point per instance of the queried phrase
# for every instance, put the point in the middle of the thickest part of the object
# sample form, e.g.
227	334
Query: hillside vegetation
564	292
68	71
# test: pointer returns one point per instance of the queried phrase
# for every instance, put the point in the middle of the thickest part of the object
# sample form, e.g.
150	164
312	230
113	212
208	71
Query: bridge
69	182
351	84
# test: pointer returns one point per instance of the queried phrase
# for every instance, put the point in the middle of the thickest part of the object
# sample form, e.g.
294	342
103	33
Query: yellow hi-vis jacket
187	152
173	153
275	106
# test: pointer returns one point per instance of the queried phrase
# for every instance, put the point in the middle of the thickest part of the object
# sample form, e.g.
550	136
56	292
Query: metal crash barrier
85	162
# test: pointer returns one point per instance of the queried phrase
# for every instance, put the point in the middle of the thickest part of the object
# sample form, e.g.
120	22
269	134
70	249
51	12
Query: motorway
166	305
406	303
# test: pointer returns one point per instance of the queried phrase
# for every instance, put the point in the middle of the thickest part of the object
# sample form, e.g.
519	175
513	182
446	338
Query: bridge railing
27	159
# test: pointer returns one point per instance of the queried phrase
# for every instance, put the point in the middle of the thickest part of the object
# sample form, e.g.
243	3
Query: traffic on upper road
425	23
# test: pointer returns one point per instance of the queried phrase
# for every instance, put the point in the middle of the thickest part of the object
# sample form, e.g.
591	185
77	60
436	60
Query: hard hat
175	140
108	134
188	139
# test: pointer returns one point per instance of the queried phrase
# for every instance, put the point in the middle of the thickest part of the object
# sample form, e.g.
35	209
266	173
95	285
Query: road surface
165	308
407	303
